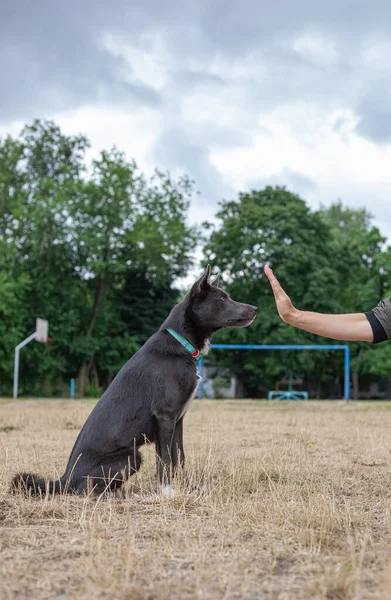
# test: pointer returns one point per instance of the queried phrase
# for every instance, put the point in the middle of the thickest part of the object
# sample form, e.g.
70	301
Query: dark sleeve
380	321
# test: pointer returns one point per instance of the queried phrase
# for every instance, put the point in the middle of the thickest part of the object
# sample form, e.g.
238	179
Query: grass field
293	502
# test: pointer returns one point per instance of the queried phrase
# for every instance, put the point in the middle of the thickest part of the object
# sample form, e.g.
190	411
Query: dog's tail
28	483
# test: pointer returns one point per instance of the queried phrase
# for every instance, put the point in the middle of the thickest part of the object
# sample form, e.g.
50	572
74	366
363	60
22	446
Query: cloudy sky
236	94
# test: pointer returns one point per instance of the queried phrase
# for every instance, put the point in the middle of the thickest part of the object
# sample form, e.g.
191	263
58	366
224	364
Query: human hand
285	308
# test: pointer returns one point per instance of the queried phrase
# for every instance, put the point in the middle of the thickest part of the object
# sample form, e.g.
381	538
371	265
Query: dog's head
212	308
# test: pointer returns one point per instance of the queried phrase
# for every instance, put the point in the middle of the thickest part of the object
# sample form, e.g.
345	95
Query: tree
356	246
145	305
377	359
12	308
38	172
276	227
357	249
122	222
72	236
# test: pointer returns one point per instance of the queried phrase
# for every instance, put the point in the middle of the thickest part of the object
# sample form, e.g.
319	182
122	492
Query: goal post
344	347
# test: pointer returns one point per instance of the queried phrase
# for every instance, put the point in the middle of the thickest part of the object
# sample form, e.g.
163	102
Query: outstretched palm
284	304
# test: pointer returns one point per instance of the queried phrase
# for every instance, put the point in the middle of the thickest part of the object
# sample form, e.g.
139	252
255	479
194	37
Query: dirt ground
293	501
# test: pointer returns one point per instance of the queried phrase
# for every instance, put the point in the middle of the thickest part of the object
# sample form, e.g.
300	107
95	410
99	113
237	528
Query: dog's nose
255	308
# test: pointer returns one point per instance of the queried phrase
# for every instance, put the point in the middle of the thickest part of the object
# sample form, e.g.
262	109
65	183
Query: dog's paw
167	491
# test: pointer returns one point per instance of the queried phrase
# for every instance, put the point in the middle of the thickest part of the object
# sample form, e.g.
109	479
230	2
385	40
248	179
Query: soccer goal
314	347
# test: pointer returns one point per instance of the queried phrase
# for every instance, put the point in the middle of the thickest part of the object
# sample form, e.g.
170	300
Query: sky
237	95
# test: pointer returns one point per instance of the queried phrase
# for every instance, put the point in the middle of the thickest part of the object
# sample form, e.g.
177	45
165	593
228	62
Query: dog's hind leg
177	453
111	475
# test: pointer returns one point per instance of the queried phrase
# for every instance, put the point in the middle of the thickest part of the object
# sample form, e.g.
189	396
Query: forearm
350	327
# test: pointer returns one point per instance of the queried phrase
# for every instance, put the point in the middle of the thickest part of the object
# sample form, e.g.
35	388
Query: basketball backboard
42	329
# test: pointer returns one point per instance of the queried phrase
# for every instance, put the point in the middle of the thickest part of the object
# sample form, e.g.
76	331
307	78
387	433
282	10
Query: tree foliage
330	260
96	247
74	237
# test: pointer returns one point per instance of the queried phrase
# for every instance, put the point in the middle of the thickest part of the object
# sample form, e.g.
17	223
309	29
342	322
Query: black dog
147	400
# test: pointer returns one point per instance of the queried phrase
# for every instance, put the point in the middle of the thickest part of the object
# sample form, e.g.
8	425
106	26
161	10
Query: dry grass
293	502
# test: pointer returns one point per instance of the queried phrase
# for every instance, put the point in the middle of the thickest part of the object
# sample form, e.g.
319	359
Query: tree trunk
94	374
356	386
82	378
239	388
389	390
99	296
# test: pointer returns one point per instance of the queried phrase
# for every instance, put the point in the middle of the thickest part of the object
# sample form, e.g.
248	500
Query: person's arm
354	327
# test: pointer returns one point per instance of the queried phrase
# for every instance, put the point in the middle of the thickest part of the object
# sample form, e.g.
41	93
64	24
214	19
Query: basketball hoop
40	335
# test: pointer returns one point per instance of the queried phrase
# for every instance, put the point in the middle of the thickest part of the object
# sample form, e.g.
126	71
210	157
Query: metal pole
16	373
347	373
16	364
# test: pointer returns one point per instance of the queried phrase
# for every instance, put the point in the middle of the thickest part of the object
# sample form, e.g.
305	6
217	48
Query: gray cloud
175	149
52	59
194	79
375	114
52	56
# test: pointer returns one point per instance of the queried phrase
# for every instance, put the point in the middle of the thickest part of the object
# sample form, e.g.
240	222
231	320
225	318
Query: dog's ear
216	281
201	285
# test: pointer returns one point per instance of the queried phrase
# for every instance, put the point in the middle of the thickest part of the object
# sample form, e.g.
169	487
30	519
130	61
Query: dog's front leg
177	452
165	436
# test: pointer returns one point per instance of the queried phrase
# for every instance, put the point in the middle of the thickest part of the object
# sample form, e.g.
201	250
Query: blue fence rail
343	347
